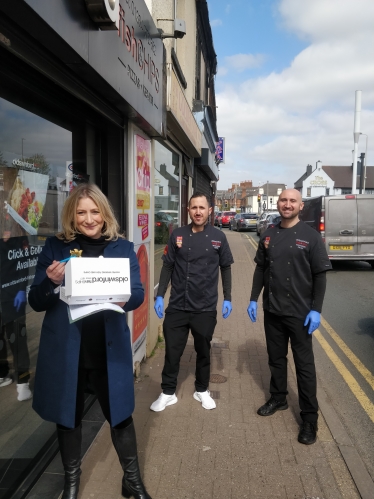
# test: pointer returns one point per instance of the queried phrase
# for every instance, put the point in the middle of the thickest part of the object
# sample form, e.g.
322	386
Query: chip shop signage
119	41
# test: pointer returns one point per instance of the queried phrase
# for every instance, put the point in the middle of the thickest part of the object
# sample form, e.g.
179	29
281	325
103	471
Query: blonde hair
68	217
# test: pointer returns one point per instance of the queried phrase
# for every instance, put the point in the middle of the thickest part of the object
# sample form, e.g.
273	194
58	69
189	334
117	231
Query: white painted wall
318	182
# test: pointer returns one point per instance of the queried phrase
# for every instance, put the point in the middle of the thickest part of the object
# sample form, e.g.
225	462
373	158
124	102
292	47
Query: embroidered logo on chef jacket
301	244
179	241
267	242
166	249
216	244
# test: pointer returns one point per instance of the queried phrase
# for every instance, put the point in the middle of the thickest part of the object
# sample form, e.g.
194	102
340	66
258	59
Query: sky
286	81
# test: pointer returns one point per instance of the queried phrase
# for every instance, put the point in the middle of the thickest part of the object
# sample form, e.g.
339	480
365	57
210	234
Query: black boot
124	441
70	447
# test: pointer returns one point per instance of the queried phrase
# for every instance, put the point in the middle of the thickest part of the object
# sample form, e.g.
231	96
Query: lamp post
366	151
267	194
22	146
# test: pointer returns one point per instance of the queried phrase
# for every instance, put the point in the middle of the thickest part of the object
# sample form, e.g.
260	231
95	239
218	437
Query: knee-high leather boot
70	447
124	441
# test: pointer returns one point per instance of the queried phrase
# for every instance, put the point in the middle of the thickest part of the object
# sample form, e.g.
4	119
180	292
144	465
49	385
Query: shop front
80	100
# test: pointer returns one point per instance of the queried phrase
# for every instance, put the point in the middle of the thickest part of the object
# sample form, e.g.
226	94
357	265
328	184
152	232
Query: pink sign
142	219
144	232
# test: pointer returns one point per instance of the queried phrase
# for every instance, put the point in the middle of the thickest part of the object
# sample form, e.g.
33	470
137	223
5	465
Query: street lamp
366	150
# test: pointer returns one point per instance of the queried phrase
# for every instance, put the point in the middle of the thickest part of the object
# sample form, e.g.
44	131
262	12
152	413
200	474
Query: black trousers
279	330
96	380
176	328
16	333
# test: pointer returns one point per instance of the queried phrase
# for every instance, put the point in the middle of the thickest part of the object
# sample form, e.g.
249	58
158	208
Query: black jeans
279	330
16	334
97	381
177	325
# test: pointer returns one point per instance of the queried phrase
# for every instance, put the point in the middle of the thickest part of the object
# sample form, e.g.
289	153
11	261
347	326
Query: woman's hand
56	272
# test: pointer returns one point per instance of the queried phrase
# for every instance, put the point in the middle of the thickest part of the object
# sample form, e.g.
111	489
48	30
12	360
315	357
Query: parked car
262	218
345	223
173	213
244	221
226	217
217	218
271	220
164	226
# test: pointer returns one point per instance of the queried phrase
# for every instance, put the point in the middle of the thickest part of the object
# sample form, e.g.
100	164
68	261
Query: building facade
81	99
100	96
333	180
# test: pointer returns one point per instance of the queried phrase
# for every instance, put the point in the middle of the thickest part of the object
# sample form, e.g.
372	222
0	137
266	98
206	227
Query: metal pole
267	195
366	151
356	136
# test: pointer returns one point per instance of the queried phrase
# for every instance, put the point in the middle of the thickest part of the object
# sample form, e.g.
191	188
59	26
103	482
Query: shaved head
293	193
289	205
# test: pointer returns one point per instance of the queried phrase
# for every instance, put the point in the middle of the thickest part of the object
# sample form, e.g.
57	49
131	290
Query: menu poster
141	239
26	200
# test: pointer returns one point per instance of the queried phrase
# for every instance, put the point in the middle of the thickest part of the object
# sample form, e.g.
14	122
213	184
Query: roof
342	176
299	183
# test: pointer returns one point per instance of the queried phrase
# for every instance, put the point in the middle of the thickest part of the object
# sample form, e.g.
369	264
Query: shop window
308	192
166	199
35	178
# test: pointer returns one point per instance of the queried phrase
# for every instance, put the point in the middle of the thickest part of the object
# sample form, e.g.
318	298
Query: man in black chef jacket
291	267
192	257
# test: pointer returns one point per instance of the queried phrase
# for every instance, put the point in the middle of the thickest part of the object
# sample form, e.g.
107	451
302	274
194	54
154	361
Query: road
344	349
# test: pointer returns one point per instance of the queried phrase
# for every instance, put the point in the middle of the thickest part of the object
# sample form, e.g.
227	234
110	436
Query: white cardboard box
96	280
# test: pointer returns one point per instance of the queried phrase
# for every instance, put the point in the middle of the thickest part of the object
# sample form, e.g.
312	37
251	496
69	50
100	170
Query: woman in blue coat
95	350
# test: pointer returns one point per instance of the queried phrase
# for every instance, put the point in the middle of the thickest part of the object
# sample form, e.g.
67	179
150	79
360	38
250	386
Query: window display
166	199
35	179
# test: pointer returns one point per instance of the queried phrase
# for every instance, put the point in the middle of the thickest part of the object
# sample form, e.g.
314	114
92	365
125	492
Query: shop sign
318	181
183	114
141	239
220	150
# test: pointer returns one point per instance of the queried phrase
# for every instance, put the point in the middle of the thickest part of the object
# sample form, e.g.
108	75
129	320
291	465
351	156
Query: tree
40	163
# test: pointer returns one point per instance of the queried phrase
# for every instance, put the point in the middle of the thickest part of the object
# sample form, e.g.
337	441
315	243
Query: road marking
252	241
355	388
159	251
348	352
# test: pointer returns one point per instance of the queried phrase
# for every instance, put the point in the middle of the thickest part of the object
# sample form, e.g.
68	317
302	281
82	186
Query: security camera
179	28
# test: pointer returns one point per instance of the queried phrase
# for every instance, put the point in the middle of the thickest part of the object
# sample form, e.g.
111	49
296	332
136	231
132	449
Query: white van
346	224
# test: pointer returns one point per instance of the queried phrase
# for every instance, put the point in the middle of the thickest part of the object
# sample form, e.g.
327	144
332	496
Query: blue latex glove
159	307
252	310
226	309
19	300
314	319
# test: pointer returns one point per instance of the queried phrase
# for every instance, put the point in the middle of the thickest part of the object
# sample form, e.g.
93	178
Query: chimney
309	170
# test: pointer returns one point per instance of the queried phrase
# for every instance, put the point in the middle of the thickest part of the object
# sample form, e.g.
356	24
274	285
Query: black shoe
272	406
308	433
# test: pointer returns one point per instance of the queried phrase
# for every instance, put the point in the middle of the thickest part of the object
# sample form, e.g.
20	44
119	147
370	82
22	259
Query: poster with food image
26	200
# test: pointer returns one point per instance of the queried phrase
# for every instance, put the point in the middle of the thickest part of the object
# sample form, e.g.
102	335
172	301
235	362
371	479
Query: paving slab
187	452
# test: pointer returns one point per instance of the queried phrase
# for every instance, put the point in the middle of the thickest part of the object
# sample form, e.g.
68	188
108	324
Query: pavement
187	452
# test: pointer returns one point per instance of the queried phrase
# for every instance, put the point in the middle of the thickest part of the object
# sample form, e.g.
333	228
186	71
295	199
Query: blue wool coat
58	358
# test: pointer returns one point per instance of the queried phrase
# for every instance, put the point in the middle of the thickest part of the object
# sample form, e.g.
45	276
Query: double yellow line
351	381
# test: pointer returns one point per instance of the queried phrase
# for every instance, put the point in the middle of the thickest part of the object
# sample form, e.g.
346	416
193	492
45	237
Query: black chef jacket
196	257
289	259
